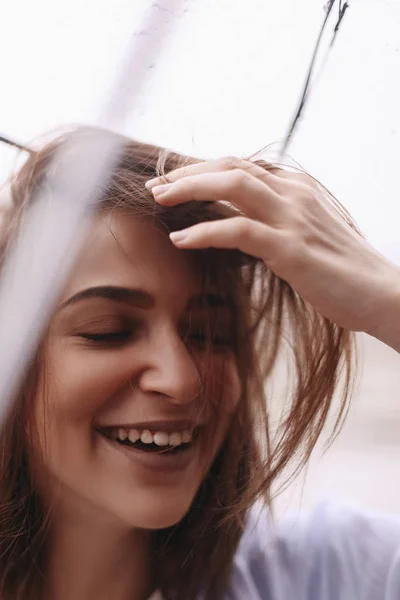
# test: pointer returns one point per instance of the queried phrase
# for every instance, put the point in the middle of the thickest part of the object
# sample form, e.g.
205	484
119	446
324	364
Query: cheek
233	386
222	392
229	384
73	388
80	383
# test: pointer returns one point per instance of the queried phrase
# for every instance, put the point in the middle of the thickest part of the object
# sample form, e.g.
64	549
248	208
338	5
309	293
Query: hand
297	229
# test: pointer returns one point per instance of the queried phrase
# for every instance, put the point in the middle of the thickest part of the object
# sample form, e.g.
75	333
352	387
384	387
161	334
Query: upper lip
167	426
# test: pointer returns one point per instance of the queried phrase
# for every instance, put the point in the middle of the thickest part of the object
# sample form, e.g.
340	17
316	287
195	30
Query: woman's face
123	424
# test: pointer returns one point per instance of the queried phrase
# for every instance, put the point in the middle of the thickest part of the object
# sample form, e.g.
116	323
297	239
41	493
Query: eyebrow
135	297
141	298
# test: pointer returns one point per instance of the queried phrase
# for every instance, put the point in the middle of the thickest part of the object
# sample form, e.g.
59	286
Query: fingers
245	192
238	233
216	166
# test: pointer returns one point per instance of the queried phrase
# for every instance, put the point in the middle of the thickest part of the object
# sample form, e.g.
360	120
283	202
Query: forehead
126	251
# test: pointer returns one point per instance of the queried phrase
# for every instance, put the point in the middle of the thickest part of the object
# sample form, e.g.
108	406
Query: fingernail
151	183
160	189
178	236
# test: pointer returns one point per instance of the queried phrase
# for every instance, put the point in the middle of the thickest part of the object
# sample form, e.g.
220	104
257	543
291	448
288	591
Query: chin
158	515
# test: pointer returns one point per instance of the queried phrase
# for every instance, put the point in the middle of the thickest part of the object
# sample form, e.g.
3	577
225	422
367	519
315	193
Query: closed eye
202	339
112	337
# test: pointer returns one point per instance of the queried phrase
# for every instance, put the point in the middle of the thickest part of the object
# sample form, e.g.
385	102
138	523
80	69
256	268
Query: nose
170	369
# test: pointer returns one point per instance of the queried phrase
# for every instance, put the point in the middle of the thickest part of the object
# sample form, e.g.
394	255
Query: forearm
386	327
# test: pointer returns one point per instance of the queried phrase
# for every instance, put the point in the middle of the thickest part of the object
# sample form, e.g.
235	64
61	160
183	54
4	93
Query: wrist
385	325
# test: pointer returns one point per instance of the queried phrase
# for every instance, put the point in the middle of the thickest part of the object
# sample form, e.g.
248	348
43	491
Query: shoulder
331	552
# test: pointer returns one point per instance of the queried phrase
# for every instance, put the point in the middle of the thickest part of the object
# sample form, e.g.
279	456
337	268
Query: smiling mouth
148	442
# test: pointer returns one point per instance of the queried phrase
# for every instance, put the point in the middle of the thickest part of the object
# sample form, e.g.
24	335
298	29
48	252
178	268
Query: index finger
214	166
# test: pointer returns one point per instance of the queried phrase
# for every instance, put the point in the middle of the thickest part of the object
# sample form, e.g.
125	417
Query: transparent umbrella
229	81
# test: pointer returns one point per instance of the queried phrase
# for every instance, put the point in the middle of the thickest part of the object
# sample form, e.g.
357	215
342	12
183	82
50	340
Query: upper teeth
160	438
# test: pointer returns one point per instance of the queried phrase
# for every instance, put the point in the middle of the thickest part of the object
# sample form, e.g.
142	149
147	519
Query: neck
92	556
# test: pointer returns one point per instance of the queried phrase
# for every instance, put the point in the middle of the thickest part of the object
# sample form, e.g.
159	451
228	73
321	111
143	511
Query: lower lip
165	462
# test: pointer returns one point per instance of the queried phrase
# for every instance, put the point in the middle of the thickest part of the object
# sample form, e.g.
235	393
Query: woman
140	439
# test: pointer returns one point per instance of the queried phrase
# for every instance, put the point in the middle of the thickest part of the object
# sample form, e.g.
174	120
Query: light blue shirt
331	553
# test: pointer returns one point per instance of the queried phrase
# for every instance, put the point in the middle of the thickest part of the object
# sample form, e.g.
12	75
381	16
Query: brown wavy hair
196	554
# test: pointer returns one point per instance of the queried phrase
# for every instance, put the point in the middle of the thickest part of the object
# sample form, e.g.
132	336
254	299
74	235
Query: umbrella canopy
227	82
